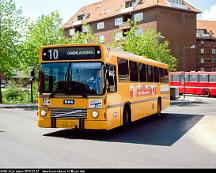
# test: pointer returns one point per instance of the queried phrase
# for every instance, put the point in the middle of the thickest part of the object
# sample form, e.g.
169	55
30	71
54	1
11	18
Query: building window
100	25
213	60
176	1
85	28
80	17
213	51
202	69
138	17
202	60
139	31
118	36
202	42
129	4
72	32
214	69
101	38
119	21
202	51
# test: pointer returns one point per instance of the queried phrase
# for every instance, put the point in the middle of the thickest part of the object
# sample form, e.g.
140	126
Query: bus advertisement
91	86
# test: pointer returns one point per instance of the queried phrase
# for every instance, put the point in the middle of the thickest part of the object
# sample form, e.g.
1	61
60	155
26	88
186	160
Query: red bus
197	83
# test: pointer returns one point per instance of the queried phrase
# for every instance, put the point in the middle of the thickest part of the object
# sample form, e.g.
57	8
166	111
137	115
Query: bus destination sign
71	53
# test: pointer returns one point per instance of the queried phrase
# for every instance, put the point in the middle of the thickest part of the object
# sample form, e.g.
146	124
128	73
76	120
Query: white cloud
209	14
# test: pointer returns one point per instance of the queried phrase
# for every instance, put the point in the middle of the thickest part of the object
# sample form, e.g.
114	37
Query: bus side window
162	75
142	73
212	78
133	71
203	78
123	70
111	78
166	76
193	78
156	74
150	73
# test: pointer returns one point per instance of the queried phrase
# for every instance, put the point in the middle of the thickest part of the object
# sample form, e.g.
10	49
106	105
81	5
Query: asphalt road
183	137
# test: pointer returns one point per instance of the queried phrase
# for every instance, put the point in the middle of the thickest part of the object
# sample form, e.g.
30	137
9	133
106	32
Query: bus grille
69	113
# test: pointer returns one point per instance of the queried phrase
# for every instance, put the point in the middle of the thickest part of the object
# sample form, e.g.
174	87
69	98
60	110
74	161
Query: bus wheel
126	116
206	92
158	107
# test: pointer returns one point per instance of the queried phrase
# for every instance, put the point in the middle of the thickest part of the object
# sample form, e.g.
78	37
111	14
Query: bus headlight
43	113
95	114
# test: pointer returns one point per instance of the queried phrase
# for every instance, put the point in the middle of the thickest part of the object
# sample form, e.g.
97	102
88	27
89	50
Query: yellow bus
92	86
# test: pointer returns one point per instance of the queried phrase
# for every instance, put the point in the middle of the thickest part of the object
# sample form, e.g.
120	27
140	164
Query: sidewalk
10	106
187	99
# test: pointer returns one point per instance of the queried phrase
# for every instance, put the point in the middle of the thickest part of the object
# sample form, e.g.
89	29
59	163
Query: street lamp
185	47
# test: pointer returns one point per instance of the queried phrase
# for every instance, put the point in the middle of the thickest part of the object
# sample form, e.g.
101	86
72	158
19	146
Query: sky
67	8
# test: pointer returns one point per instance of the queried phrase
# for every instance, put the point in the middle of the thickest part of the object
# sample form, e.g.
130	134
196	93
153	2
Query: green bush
14	95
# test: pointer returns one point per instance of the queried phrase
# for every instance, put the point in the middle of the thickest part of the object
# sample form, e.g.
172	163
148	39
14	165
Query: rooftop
109	8
210	26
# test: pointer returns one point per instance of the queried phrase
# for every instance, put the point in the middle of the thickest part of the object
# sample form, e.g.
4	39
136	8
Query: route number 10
53	54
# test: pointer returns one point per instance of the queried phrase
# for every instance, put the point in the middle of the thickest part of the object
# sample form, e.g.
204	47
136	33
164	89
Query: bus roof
123	54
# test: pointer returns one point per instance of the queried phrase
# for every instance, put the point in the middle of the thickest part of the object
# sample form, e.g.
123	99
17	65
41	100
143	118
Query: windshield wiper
74	87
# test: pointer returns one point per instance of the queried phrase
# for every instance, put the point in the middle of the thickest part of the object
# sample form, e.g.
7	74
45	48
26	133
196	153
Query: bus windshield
72	78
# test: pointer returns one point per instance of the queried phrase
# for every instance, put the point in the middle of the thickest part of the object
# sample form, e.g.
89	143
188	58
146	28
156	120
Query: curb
4	106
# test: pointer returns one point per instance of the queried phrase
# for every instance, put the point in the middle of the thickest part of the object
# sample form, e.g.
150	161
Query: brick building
206	45
174	19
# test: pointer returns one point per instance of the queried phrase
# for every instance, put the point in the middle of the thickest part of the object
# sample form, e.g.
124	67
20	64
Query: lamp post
185	47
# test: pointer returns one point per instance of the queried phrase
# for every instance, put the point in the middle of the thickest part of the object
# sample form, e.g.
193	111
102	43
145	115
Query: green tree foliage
12	28
148	44
47	30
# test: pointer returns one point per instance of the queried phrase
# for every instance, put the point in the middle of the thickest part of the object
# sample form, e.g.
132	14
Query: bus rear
72	87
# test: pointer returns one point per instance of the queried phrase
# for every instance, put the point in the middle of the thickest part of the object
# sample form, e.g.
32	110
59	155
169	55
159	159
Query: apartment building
174	19
206	45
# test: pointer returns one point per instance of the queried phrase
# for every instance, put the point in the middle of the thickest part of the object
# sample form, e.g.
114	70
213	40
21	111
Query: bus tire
126	115
206	92
158	107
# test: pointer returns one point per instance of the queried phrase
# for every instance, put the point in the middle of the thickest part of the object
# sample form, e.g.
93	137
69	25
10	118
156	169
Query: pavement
186	99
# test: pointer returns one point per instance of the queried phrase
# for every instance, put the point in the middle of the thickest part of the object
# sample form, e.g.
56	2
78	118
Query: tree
147	44
47	30
12	25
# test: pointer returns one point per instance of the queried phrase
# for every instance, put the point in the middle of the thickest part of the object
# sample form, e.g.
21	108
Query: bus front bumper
72	124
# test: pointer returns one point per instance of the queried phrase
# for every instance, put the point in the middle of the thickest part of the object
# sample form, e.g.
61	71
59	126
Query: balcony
127	10
125	25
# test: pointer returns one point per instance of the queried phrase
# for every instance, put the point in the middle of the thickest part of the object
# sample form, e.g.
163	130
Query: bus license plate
67	124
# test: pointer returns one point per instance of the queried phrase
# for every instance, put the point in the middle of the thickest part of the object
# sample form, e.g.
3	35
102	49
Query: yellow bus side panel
113	117
136	111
